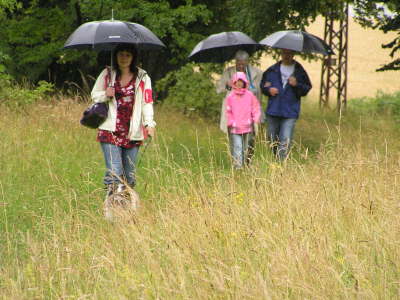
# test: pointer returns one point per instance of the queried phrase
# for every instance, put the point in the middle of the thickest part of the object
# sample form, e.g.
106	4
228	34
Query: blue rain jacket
287	103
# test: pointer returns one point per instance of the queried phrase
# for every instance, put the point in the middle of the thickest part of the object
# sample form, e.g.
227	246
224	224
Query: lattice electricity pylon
334	67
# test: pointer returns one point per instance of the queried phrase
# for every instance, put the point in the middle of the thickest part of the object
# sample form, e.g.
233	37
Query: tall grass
324	225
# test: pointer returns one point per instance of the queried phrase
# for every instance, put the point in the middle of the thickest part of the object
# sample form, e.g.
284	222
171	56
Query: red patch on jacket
148	96
141	85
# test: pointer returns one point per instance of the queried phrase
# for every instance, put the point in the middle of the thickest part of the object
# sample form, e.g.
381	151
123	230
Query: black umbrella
222	47
297	40
105	35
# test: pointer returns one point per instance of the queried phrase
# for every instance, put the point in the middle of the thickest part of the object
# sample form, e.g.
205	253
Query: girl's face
239	84
124	59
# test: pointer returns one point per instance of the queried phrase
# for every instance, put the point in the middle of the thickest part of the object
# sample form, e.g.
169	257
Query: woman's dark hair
129	48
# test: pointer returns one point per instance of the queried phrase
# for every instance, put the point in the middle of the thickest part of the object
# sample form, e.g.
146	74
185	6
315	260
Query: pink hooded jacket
242	107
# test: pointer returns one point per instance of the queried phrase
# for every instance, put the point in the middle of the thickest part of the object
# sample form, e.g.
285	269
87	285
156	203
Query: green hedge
382	103
191	89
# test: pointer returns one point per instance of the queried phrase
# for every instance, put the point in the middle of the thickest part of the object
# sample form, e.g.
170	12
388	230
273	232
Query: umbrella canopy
297	40
222	47
105	35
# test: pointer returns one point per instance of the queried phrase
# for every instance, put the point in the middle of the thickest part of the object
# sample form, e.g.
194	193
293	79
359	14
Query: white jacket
142	113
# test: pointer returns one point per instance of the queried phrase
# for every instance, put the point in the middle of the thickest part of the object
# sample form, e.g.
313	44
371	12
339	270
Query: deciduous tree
386	17
36	31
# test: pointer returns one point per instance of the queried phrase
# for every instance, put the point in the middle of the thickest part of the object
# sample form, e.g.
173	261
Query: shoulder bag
96	113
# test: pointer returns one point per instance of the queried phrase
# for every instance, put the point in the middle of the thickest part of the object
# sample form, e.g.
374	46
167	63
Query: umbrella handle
110	82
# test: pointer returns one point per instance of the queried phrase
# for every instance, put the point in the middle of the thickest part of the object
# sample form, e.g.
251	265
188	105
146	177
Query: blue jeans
241	148
120	163
280	133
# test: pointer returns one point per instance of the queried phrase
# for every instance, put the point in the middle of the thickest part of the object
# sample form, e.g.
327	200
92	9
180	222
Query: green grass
382	103
324	225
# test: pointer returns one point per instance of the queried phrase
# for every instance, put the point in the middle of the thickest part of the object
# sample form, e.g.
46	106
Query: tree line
33	32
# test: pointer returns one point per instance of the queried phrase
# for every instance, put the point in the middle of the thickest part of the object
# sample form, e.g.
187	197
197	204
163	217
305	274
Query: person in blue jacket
284	83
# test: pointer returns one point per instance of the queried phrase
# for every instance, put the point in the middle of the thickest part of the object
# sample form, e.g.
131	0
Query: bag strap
249	76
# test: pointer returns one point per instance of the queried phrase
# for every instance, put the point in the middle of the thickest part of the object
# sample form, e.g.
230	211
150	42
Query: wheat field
324	225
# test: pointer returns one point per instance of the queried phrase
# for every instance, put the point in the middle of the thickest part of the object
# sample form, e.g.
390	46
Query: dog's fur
121	204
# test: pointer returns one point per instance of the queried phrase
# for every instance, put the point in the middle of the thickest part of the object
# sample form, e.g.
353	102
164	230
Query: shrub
17	96
192	90
382	103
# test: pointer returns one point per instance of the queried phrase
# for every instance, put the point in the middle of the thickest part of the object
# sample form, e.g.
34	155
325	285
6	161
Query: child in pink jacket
242	113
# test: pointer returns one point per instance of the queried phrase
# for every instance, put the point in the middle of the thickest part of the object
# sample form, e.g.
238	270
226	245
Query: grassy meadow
323	225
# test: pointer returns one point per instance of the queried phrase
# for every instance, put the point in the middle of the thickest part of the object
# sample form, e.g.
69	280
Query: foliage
4	5
7	4
3	74
386	18
260	18
35	38
17	96
191	89
382	103
37	30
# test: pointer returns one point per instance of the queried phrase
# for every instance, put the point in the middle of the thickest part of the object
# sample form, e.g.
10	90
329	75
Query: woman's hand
151	131
110	92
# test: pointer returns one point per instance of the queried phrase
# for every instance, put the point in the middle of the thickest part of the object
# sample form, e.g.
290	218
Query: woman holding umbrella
127	89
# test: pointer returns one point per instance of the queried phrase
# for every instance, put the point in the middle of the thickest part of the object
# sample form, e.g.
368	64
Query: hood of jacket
239	76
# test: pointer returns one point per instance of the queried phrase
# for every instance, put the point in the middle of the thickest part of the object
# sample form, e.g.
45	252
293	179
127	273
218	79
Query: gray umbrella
105	35
297	40
222	47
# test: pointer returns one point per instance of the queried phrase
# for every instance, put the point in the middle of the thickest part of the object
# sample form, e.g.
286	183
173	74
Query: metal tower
334	67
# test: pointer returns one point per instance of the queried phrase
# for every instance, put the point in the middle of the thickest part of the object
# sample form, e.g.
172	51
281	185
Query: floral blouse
125	97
